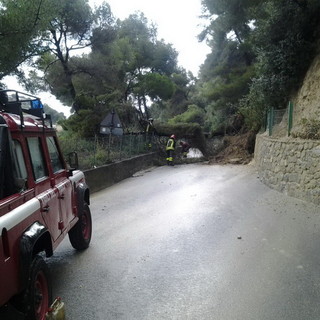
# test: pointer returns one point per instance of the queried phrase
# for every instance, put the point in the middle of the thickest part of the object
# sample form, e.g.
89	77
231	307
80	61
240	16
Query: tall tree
260	52
127	66
285	41
69	29
20	35
227	71
148	55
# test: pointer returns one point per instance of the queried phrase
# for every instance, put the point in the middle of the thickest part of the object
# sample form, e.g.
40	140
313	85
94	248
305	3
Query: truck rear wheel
37	297
80	234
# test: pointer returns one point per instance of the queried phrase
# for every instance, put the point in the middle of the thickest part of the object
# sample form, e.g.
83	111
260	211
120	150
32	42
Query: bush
194	114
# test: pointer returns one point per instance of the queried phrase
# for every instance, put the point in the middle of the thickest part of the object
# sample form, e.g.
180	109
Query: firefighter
171	143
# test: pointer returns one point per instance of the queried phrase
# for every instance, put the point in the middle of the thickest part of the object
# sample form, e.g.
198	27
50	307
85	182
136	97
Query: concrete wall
290	165
105	176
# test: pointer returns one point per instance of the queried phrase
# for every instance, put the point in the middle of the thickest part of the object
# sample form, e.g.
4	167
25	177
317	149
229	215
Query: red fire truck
42	200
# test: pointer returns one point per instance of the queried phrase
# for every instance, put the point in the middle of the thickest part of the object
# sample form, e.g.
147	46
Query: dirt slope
239	150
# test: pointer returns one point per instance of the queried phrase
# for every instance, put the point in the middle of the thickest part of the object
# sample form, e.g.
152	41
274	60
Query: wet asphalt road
194	242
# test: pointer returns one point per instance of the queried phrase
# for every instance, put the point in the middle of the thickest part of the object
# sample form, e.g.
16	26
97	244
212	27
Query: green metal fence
102	150
276	116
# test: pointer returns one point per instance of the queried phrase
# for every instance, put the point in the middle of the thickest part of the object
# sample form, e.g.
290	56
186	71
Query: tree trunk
145	106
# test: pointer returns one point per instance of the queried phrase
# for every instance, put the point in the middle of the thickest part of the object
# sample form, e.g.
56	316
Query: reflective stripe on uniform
170	144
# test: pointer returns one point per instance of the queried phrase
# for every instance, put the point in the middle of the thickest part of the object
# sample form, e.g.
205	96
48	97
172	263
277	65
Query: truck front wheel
80	234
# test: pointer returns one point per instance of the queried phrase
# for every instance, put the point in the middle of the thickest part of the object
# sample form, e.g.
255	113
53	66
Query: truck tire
38	295
80	234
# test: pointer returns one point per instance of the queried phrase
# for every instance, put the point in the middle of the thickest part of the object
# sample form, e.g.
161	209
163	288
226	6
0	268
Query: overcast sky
177	22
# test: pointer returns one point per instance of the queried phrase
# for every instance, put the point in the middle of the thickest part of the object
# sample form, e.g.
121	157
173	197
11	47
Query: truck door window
54	155
37	158
20	165
20	171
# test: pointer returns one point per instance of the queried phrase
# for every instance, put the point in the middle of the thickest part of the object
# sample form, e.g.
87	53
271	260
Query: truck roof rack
16	102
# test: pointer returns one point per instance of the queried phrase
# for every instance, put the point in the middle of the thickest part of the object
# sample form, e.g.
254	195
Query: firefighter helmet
172	136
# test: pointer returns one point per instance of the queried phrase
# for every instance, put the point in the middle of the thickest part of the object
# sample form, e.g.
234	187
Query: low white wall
105	176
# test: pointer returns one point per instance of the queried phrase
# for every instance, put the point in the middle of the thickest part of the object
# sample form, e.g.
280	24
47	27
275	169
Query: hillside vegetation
260	53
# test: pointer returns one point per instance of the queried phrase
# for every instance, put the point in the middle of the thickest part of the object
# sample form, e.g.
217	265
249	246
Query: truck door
49	206
61	183
48	196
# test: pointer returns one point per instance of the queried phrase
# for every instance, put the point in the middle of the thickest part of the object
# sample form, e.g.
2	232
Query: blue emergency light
36	104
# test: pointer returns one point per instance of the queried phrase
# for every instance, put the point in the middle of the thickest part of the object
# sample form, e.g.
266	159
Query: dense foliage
95	63
260	52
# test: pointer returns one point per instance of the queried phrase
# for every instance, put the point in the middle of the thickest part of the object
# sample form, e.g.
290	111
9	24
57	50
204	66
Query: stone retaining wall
290	165
105	176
